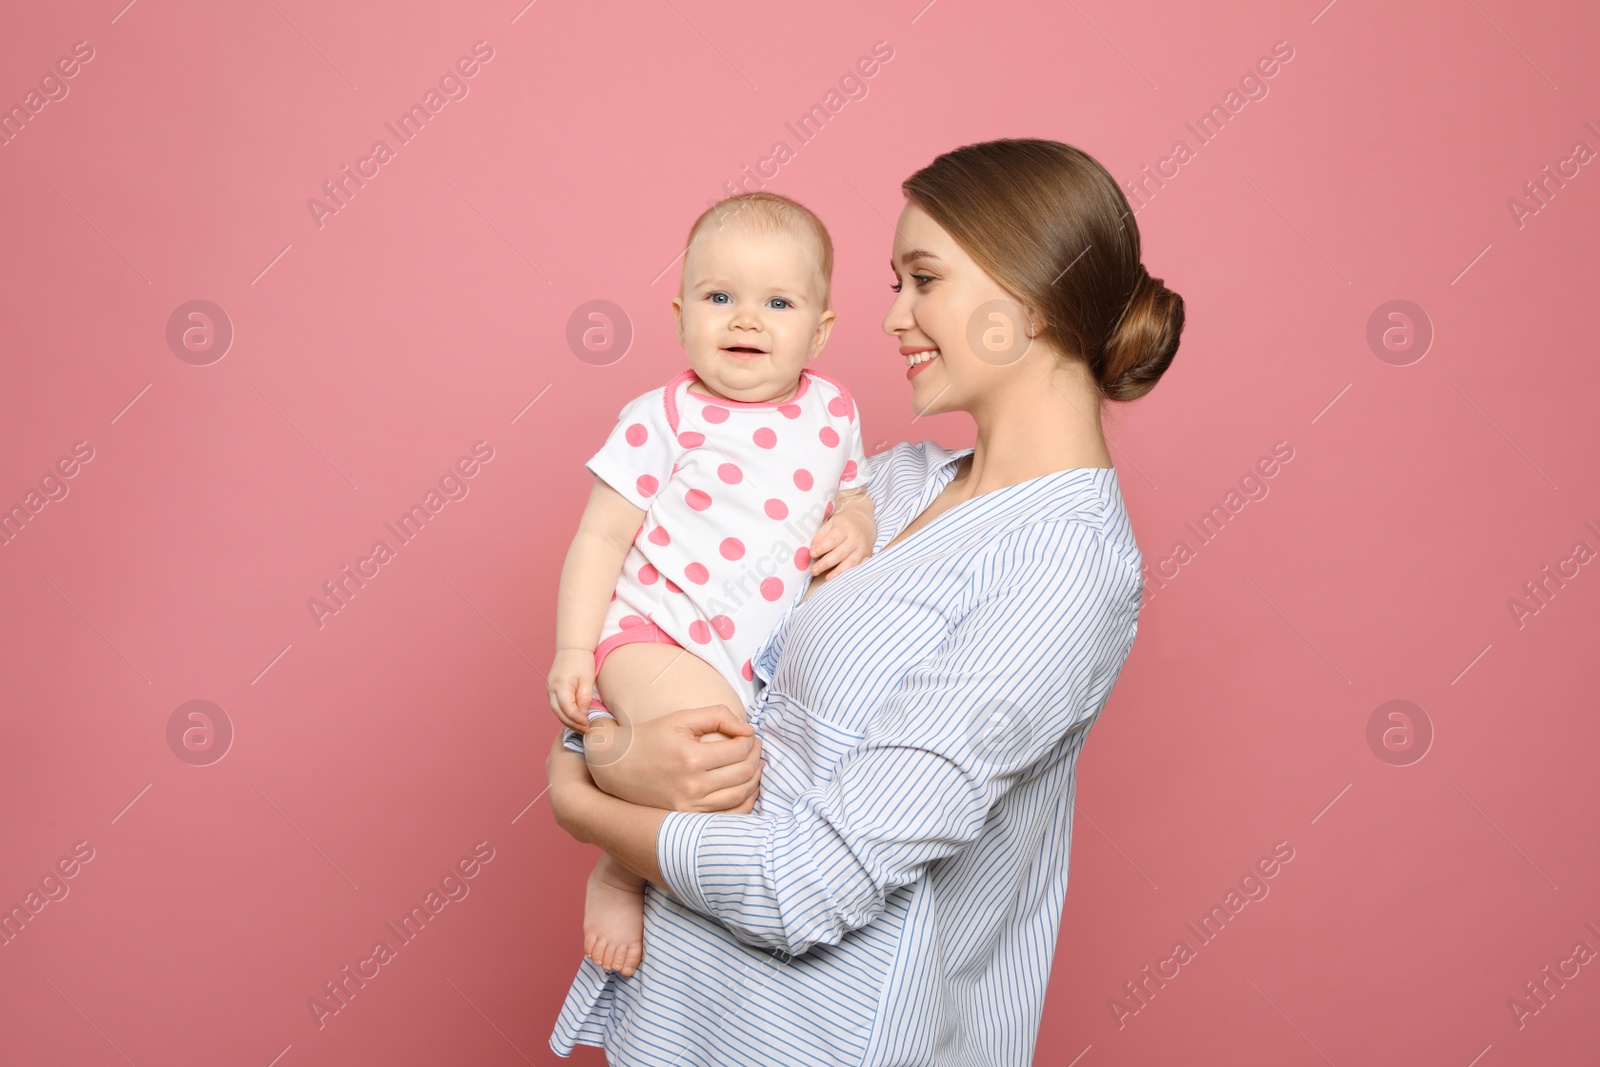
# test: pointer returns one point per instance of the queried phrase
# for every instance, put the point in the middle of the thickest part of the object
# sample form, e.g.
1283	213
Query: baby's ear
824	328
677	315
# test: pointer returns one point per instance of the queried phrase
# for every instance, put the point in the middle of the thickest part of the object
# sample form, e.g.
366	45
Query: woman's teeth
920	357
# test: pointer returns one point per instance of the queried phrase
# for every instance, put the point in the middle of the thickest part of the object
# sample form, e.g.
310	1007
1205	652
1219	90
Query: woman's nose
898	318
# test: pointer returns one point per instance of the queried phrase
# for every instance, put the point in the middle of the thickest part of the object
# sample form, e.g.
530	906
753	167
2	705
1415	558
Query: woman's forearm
627	831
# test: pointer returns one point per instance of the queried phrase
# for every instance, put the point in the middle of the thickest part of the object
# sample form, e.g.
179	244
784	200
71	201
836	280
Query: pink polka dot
613	595
674	468
648	574
637	435
730	473
697	573
715	414
647	485
829	435
765	437
802	479
698	499
827	511
838	406
772	588
777	509
631	622
732	548
789	411
659	536
746	672
700	631
724	626
690	439
802	558
849	471
672	586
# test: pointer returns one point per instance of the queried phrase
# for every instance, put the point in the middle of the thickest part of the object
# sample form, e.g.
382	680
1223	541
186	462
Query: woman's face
950	308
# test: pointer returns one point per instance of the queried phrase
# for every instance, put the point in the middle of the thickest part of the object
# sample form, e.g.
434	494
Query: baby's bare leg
640	682
644	681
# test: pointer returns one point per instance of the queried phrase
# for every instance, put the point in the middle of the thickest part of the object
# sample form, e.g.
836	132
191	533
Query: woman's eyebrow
915	253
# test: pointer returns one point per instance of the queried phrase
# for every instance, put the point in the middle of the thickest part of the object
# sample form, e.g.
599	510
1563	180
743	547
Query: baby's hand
844	541
571	687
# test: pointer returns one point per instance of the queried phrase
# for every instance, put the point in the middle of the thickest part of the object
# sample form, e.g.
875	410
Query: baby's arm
605	533
846	539
847	536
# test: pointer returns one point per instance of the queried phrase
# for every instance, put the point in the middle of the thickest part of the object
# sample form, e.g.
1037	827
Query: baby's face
750	315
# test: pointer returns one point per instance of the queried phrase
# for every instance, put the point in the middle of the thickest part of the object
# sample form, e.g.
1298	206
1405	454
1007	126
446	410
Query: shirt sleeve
1028	666
877	468
638	457
572	740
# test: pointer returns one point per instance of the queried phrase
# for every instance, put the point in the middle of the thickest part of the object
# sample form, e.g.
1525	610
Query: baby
715	495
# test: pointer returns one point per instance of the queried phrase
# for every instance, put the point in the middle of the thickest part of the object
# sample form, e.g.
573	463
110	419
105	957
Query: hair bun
1141	345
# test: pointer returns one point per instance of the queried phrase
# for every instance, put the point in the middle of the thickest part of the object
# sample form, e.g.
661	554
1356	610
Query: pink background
372	752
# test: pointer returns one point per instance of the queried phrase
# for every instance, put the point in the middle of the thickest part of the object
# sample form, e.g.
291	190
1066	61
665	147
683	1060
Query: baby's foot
613	918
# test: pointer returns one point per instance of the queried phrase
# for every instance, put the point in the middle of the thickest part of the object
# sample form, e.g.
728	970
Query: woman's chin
929	397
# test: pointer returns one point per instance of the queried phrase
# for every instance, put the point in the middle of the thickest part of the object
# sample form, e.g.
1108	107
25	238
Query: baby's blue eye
713	297
779	302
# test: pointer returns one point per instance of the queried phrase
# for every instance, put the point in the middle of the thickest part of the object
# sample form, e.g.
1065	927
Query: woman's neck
1041	423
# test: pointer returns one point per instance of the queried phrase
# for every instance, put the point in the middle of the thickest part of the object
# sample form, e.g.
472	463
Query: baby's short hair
770	213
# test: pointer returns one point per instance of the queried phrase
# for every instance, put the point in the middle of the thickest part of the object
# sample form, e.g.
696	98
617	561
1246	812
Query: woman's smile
917	359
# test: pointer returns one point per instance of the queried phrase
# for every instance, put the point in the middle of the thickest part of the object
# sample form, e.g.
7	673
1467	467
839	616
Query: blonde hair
765	213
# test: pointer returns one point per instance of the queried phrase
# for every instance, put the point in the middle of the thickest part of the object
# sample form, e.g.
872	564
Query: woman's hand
663	763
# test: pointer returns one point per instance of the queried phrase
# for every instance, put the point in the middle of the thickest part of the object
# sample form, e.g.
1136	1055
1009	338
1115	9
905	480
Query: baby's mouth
743	350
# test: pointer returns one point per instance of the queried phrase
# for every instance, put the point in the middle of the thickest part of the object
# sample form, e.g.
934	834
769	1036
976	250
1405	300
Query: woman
895	895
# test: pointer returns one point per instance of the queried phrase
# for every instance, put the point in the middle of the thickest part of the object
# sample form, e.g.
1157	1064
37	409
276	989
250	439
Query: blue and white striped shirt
896	894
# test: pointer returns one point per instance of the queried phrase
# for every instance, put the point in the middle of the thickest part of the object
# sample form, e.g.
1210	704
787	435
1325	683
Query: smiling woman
894	894
1070	280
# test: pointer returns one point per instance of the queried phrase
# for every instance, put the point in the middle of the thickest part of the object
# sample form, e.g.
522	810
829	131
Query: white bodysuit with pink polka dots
733	493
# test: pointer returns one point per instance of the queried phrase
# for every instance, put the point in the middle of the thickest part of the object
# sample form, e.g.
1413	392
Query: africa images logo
453	85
